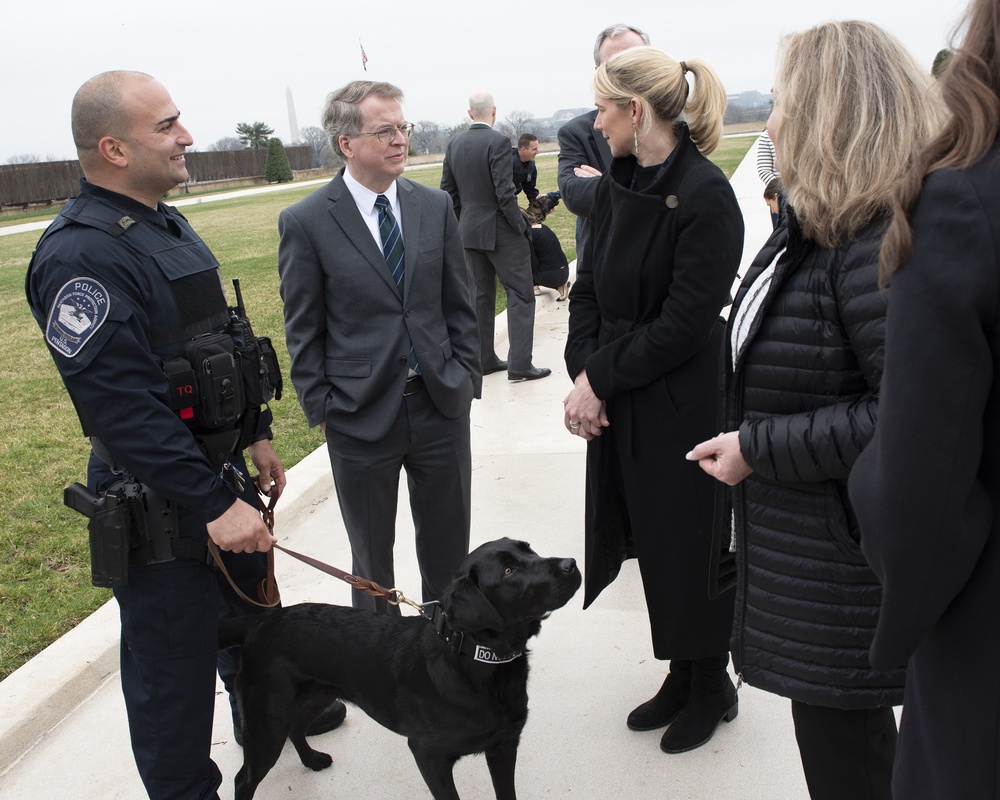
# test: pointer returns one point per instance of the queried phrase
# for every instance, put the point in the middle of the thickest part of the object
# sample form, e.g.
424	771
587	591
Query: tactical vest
220	374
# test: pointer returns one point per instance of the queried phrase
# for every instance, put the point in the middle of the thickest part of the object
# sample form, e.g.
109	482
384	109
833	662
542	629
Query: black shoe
666	704
532	374
329	718
500	366
697	722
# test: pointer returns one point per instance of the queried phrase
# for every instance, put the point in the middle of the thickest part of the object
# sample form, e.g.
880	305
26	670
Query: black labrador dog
453	681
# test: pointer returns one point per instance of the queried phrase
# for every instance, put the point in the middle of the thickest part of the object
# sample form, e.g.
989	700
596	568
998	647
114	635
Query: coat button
407	313
671	201
404	359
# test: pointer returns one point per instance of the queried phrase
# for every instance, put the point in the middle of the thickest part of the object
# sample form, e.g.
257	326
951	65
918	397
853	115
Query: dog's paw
316	760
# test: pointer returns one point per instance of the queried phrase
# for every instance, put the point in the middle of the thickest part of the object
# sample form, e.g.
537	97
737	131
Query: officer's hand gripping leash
394	597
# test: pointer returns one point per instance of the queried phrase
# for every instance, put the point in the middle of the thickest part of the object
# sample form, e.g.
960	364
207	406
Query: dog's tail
233	630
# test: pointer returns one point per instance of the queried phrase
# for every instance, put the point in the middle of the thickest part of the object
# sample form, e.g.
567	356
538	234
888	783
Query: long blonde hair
970	87
659	83
855	107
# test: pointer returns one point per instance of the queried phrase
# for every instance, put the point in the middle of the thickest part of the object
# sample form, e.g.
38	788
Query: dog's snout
568	565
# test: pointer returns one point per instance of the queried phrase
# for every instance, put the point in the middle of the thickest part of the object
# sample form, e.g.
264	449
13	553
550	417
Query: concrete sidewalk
62	723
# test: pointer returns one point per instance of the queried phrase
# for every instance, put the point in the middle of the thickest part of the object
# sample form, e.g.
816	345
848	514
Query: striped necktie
392	240
392	250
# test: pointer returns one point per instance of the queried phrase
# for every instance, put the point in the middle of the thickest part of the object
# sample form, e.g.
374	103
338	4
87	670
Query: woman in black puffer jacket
804	360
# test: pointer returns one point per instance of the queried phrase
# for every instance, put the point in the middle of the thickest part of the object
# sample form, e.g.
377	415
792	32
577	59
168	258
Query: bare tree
316	138
428	137
226	143
516	123
24	158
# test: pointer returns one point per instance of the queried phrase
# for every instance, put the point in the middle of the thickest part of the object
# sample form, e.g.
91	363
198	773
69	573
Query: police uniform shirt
100	302
524	175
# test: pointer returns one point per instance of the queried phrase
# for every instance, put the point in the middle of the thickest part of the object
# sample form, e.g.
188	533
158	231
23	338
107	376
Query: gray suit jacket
348	329
477	174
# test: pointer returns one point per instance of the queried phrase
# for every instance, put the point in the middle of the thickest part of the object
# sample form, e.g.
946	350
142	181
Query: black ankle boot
713	700
667	703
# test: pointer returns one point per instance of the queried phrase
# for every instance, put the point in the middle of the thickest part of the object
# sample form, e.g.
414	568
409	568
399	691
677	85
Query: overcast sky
226	62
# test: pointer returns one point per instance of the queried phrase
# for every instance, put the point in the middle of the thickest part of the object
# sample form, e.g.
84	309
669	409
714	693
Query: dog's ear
467	607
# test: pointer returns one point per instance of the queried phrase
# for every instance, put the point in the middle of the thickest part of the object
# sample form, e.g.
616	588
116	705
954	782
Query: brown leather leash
269	588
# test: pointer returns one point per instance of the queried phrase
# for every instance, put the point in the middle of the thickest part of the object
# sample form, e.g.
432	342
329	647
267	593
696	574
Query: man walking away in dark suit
524	173
477	175
583	153
384	341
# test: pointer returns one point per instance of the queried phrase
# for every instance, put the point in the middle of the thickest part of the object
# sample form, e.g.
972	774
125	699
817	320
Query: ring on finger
574	425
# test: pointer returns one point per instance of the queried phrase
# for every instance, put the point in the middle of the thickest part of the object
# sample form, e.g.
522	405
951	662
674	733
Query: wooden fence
53	181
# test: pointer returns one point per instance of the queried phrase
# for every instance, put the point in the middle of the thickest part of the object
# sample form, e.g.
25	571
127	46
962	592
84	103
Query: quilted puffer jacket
804	396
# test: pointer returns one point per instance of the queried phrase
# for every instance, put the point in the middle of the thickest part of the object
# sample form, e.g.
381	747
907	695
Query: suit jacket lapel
345	211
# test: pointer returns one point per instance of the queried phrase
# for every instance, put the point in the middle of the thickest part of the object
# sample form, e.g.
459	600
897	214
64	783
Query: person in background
803	365
477	174
774	200
525	173
645	336
927	488
549	265
583	152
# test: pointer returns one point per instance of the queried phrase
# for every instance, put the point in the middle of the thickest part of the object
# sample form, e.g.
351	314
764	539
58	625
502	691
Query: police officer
120	285
525	173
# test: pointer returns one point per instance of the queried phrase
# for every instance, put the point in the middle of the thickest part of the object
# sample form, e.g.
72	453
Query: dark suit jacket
580	144
477	175
349	330
927	488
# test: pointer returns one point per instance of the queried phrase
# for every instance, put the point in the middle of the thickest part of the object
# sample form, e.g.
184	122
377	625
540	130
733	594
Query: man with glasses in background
384	340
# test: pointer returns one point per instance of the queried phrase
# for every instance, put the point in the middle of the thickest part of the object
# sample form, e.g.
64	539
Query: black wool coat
927	490
803	395
645	324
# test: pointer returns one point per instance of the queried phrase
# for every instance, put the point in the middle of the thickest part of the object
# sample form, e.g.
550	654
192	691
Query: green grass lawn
44	562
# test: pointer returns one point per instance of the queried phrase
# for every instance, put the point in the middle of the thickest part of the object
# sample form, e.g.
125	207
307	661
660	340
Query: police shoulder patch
80	309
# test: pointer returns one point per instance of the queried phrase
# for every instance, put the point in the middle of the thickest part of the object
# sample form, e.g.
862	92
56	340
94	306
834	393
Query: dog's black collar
462	642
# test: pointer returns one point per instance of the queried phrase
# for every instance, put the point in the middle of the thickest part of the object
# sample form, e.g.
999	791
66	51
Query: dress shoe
532	374
328	719
564	291
666	704
500	366
697	722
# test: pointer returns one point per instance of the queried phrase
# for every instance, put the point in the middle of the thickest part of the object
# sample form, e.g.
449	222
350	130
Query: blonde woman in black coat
804	362
643	347
927	490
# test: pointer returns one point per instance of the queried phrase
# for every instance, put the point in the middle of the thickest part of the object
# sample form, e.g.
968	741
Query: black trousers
846	754
436	454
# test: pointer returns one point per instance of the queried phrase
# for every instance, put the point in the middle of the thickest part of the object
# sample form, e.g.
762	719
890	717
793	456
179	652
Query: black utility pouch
212	357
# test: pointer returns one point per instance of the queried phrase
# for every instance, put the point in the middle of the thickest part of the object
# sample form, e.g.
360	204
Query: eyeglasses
387	133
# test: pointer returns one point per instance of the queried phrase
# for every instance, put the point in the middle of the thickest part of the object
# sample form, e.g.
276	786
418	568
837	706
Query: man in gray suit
384	340
477	175
583	153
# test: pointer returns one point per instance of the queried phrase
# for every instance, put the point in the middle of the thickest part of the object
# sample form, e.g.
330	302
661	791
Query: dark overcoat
927	489
802	391
645	324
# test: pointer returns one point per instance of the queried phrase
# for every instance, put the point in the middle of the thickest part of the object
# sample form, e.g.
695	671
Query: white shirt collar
365	197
